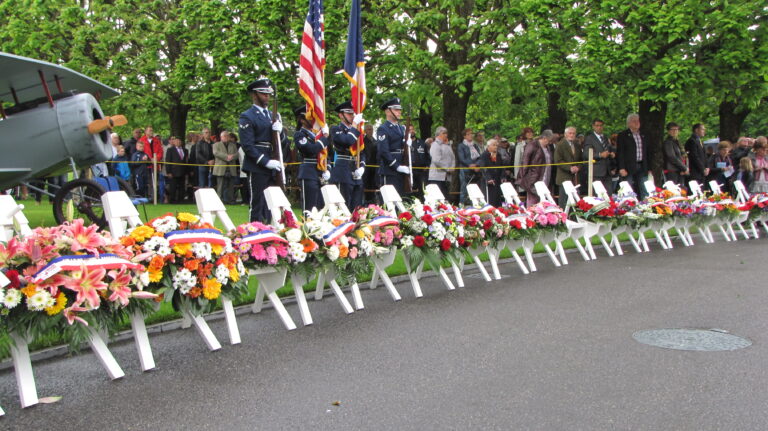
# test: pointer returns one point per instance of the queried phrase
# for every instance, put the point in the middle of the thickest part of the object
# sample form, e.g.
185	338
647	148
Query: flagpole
359	108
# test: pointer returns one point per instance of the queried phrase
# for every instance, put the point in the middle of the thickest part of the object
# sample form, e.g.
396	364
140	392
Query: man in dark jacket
600	153
674	168
204	156
176	169
697	157
632	156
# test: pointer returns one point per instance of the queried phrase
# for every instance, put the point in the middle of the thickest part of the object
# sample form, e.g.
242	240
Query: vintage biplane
54	126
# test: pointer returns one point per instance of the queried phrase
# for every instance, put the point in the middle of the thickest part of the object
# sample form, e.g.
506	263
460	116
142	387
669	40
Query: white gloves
403	170
408	142
357	120
274	164
277	126
326	175
325	131
358	173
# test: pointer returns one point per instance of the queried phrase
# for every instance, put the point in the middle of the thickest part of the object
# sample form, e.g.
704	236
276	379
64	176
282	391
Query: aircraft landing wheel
80	198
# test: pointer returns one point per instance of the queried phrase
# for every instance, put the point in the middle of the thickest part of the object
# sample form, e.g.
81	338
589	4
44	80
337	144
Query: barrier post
589	171
154	179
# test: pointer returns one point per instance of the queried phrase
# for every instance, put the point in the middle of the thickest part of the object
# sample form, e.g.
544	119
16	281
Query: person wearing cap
345	173
309	146
256	127
390	138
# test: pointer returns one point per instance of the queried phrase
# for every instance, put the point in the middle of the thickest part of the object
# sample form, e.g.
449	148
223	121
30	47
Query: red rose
487	224
427	209
418	241
498	219
462	241
428	219
472	222
13	276
516	224
530	222
405	216
445	244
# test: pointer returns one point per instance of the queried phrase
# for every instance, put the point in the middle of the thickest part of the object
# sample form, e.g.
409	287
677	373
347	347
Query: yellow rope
369	166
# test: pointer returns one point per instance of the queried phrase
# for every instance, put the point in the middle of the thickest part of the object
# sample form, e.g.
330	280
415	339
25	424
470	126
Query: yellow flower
30	290
211	289
360	234
234	275
217	249
61	302
182	249
155	276
142	233
187	217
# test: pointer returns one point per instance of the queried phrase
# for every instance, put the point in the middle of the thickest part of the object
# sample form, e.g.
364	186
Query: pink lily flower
88	286
84	238
70	314
119	286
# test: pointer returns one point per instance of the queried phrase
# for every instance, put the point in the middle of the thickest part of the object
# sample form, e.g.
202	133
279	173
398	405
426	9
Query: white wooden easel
742	196
394	203
12	219
697	192
477	198
742	217
599	188
278	204
668	223
333	199
682	225
210	206
120	213
511	197
600	230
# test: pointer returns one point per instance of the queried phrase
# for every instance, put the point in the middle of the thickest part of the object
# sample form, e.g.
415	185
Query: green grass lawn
42	215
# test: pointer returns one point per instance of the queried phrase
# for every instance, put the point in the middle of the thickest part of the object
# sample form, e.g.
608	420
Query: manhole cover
701	340
478	275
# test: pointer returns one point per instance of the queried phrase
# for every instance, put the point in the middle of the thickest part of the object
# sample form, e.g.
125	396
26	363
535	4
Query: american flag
312	71
354	68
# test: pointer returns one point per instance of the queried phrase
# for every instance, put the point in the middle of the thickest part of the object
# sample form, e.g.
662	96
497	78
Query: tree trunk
178	119
455	120
652	118
216	126
731	120
557	116
425	124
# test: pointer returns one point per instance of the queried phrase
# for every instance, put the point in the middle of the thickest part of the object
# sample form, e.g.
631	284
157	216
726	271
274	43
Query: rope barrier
456	168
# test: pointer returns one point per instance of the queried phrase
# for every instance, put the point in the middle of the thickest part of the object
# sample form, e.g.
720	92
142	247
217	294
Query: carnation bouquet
725	206
598	210
261	245
190	263
547	217
430	235
67	274
377	230
520	224
338	249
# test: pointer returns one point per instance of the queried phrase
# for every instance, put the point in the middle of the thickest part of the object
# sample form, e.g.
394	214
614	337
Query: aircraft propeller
102	124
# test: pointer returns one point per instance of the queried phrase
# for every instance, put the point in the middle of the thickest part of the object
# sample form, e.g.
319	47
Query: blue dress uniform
309	176
389	143
343	137
255	138
420	158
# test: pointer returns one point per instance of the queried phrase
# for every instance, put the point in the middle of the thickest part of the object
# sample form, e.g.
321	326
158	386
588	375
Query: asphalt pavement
547	351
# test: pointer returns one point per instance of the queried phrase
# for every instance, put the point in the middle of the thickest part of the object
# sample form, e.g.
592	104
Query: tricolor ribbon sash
382	221
674	199
263	236
77	263
338	232
442	214
211	236
470	211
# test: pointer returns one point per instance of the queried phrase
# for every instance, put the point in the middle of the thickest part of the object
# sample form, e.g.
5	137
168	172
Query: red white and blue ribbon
263	236
382	221
338	232
77	263
211	236
677	199
468	212
443	214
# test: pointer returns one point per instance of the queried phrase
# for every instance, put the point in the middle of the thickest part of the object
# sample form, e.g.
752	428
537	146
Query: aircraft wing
22	75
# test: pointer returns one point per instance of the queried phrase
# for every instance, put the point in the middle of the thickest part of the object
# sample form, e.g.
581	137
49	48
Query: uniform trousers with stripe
258	183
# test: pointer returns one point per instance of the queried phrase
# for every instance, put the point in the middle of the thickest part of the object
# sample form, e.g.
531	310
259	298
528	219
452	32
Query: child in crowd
121	166
744	174
140	169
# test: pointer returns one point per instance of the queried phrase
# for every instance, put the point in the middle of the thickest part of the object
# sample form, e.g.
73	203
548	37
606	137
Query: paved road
550	351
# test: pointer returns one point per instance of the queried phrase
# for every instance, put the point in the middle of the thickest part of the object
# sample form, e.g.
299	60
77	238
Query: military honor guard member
345	173
390	142
256	127
310	173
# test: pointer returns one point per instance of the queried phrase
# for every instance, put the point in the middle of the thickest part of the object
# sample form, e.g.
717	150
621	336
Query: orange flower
343	251
156	264
30	290
195	292
127	241
192	264
309	245
155	275
337	222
